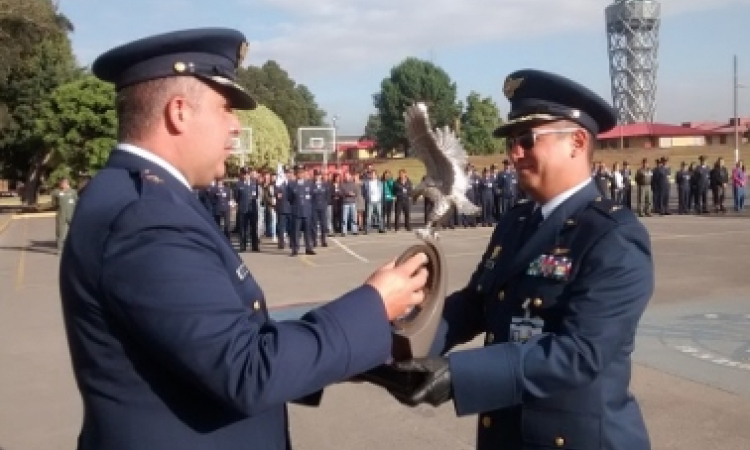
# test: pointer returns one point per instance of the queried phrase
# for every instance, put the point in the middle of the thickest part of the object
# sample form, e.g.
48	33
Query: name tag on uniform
489	184
549	266
522	329
242	272
307	196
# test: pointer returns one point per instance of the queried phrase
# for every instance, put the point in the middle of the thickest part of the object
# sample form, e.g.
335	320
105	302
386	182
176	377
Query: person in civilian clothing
321	195
402	189
739	180
349	205
372	191
388	199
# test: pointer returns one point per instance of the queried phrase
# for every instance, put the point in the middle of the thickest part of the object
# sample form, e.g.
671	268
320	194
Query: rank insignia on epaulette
570	222
242	272
615	208
496	251
550	266
148	176
560	251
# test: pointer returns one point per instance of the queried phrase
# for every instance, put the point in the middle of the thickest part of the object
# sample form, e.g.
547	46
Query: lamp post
736	118
335	149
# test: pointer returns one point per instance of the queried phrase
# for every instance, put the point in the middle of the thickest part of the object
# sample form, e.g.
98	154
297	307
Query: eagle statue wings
446	180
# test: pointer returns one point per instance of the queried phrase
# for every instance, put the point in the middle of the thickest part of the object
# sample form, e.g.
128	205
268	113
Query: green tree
49	64
414	80
477	124
271	142
78	124
272	86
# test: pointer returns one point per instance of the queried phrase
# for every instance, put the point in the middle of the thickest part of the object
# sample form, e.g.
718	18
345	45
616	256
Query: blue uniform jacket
246	196
568	387
321	195
300	198
170	340
220	197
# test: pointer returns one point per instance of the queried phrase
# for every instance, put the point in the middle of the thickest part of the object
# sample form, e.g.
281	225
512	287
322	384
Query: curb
4	222
33	215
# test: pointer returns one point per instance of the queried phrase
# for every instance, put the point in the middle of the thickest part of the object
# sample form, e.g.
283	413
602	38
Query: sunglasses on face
527	139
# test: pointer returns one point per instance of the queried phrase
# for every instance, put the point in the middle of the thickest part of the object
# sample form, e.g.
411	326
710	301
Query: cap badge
241	54
179	67
510	86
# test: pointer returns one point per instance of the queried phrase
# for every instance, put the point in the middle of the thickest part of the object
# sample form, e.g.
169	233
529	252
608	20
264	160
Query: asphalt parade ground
692	362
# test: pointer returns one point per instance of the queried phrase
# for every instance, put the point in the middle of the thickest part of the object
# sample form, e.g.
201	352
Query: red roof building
660	135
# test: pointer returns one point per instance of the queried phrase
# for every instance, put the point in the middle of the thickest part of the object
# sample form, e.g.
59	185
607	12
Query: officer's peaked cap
210	54
537	97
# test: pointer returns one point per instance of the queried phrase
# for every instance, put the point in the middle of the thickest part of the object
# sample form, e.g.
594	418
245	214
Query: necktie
532	224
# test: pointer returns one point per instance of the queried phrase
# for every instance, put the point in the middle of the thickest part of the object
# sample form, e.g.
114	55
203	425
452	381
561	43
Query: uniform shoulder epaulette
521	203
612	210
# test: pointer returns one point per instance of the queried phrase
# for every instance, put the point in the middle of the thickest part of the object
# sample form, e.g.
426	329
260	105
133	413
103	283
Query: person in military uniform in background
64	200
321	199
627	185
719	180
472	194
643	177
497	193
666	186
558	292
693	187
246	195
487	195
700	178
602	179
660	187
508	181
284	222
300	199
682	181
220	205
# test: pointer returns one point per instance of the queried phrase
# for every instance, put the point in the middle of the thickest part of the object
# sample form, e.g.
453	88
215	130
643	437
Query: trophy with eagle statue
445	184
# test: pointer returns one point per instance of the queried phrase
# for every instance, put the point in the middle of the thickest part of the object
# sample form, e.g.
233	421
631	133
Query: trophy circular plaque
414	332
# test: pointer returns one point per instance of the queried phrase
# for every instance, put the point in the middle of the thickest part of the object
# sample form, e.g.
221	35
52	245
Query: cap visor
520	123
238	97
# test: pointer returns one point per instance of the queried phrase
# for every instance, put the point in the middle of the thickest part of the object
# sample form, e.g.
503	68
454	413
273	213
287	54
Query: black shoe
310	252
325	244
294	253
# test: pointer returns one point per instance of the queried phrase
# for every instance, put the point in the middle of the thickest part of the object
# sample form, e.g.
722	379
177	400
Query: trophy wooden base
414	333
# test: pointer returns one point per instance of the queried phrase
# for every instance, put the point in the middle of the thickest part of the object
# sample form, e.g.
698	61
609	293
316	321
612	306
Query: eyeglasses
527	139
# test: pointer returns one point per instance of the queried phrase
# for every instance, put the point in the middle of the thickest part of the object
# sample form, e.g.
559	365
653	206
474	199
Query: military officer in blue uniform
171	342
682	180
321	197
472	194
558	293
487	195
246	195
284	209
300	199
509	187
220	205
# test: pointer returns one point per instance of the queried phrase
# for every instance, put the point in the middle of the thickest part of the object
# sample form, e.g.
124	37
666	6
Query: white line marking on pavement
712	316
348	250
716	359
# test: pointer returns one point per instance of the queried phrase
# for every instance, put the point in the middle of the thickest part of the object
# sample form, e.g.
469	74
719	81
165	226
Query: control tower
633	37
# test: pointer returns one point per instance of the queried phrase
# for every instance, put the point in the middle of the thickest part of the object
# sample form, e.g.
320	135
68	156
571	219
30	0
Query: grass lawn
415	169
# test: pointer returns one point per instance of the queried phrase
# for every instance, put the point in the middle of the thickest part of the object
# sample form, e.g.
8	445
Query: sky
343	49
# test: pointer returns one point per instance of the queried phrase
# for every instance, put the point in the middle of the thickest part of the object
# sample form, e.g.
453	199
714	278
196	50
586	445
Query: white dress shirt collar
549	207
145	154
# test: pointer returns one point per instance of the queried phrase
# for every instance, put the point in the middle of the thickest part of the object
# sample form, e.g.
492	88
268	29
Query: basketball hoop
316	143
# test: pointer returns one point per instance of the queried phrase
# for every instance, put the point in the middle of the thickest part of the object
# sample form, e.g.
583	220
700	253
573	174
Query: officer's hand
435	387
401	287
